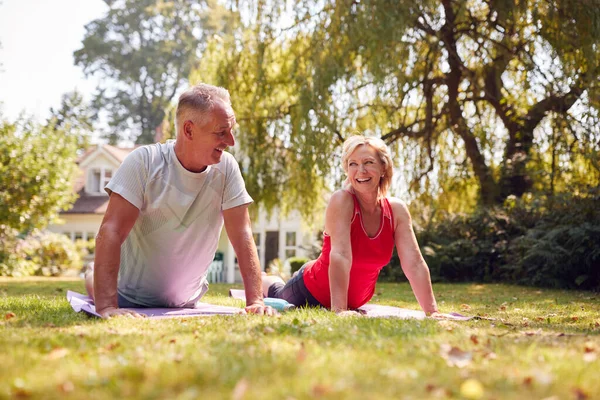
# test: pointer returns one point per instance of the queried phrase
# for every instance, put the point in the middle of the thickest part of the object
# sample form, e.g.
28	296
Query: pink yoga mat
82	303
377	310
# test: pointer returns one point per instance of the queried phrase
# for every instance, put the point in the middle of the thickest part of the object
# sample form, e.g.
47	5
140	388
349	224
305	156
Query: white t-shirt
165	258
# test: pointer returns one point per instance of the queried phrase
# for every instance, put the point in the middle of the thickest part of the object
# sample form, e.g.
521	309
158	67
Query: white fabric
166	256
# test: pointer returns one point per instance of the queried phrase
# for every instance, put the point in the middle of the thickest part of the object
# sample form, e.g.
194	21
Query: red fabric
369	256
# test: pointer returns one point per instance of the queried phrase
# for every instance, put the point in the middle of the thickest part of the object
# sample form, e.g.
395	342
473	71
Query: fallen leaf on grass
580	394
474	339
66	387
267	330
57	353
436	392
455	357
465	307
320	390
240	389
589	347
9	315
589	352
19	389
112	346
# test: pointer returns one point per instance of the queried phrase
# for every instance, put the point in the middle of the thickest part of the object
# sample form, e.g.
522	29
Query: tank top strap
387	211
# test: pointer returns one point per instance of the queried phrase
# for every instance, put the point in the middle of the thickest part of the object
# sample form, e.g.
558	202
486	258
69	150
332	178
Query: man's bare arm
239	231
117	223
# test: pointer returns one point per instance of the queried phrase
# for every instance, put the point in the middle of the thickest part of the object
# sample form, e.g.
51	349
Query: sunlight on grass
535	343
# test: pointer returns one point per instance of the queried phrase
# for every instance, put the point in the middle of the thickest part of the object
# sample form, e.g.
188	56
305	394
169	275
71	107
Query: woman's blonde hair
353	142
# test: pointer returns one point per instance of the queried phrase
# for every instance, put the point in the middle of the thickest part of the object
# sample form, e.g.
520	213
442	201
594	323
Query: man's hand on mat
110	312
260	309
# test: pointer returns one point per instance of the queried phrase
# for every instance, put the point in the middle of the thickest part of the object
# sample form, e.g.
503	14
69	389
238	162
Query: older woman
362	225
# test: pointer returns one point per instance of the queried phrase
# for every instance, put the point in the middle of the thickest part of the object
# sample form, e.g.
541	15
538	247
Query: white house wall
71	224
261	225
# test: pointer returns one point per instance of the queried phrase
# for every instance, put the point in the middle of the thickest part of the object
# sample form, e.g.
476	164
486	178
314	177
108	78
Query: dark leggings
294	291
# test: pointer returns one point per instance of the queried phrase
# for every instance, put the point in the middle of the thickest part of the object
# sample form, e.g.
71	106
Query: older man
166	210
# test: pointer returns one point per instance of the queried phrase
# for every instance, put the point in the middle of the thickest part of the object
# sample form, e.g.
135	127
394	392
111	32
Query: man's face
210	139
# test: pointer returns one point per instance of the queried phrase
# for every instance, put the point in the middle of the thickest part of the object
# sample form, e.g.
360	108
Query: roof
118	153
93	204
87	204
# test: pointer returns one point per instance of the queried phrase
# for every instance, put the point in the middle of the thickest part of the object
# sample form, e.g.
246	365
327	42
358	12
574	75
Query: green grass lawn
542	344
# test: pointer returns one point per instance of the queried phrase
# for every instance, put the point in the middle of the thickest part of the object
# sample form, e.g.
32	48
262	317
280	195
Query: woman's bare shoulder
340	198
399	208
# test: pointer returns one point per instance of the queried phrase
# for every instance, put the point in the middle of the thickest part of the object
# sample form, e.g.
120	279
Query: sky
37	39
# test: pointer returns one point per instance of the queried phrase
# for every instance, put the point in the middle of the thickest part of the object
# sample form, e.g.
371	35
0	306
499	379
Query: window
99	178
290	253
290	244
290	239
78	235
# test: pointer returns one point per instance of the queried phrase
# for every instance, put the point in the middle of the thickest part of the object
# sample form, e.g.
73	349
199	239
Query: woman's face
365	169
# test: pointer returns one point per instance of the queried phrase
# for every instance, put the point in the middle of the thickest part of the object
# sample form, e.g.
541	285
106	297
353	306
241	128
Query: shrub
14	259
544	242
55	254
296	263
40	253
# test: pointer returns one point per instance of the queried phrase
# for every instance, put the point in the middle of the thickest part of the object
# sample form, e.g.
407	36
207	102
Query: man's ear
188	128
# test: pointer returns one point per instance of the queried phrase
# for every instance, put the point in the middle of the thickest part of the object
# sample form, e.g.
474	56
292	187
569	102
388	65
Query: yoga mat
377	310
82	303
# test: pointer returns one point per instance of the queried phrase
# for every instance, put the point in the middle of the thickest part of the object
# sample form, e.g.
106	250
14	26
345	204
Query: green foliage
463	92
37	168
53	253
296	263
544	242
75	118
39	253
15	259
143	51
86	248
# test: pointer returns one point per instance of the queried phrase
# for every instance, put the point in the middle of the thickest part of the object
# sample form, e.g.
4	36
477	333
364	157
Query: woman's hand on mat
348	313
439	315
110	312
259	308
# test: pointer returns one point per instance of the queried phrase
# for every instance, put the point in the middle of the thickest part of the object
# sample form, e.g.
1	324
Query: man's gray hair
200	99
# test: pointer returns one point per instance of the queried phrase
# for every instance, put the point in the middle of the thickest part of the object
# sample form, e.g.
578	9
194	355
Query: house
275	237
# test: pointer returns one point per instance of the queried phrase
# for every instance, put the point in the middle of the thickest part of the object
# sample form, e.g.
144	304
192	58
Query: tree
37	170
462	91
144	51
75	118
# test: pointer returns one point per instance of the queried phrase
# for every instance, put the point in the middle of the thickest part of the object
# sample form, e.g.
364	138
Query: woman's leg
268	281
294	291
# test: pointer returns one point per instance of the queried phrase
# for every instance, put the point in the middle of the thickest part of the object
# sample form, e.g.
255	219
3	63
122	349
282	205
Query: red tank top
369	256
